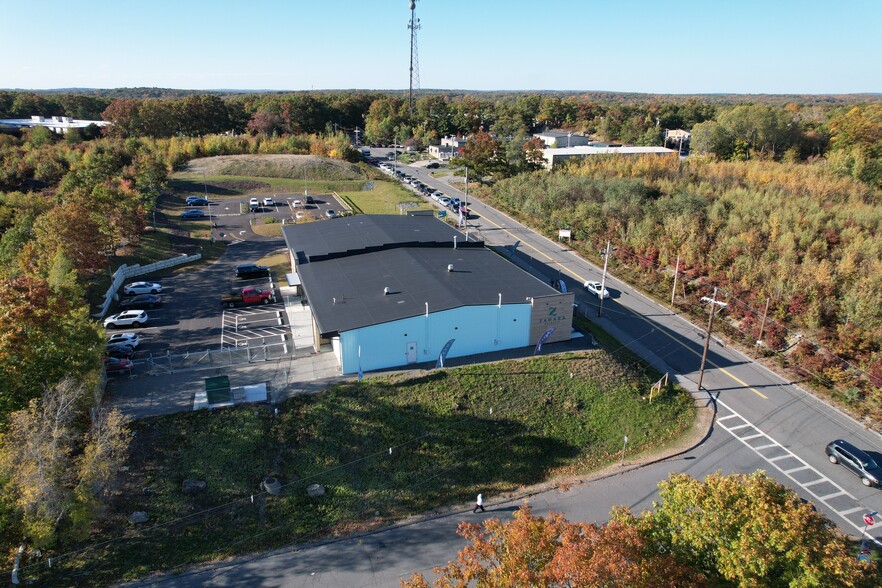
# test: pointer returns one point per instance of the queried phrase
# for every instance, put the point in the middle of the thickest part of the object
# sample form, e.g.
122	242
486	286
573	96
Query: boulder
315	490
194	486
272	486
139	516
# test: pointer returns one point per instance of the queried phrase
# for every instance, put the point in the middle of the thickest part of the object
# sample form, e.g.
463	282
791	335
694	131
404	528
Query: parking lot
191	320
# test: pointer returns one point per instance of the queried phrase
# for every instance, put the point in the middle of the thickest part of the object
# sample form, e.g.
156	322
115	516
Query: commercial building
388	291
555	157
561	140
56	124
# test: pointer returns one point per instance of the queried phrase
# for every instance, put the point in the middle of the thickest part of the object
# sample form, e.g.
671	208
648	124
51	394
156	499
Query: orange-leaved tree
544	552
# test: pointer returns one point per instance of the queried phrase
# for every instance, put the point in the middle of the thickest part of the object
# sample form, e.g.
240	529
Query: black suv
860	464
249	270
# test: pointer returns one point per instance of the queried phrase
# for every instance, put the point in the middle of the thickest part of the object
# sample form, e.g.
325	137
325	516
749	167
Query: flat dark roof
366	232
346	291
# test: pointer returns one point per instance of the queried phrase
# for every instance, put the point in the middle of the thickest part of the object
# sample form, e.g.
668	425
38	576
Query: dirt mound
275	166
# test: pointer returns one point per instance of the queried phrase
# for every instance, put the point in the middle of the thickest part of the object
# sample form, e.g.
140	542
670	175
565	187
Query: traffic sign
868	518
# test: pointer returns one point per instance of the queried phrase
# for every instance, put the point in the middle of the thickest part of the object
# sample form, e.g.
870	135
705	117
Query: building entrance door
411	352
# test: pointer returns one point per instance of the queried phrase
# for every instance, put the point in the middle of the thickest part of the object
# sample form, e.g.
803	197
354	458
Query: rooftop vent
386	291
450	267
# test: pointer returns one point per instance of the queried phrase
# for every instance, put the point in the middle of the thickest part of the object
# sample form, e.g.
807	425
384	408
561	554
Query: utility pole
603	279
466	216
356	136
676	273
710	325
759	340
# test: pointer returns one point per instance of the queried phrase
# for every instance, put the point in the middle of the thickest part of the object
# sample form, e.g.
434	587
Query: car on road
855	461
250	270
330	213
129	339
116	364
119	350
595	288
269	202
197	202
142	288
433	165
140	301
128	318
193	213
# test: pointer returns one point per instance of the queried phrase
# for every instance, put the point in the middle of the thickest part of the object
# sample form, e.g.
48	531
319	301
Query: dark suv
249	270
860	464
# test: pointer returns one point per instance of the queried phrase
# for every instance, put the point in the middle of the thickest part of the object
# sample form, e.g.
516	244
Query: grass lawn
488	428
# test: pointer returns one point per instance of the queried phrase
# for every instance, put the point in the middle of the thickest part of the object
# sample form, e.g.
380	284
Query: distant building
56	124
554	157
558	139
678	137
448	148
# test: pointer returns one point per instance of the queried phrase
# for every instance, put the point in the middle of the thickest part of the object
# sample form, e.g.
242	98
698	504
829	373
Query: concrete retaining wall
124	272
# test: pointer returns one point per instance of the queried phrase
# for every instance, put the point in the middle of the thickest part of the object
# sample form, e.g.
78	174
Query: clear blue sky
685	46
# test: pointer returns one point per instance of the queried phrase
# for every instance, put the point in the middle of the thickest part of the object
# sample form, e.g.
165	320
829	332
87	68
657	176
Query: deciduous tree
549	552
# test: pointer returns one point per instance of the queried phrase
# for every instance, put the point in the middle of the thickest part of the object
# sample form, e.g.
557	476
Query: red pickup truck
247	297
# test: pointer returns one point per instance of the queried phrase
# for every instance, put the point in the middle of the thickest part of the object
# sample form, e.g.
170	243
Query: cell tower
414	26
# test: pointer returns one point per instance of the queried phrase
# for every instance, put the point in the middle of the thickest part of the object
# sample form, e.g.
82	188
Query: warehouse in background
388	291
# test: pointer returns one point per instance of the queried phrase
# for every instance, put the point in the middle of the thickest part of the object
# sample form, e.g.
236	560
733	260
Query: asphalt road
762	422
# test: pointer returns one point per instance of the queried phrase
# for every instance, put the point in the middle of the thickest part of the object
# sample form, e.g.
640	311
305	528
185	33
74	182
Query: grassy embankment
490	428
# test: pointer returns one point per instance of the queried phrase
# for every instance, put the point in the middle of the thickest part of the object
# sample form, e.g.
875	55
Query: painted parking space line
831	489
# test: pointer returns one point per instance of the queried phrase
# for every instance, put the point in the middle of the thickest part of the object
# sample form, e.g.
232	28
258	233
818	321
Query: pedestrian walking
479	504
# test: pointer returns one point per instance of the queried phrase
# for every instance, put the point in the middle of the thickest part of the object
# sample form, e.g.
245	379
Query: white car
595	288
297	204
130	339
129	318
142	288
268	202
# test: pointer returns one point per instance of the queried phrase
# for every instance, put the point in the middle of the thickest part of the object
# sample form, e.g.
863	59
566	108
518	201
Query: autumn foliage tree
546	552
748	530
53	468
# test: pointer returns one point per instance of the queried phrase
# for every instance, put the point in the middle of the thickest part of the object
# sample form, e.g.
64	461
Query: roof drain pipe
427	310
454	241
500	301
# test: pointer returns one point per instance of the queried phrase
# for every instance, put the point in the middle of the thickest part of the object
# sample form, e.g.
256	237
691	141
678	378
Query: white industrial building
56	124
561	140
555	157
388	291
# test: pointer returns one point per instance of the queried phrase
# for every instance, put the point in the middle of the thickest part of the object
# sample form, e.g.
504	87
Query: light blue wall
477	329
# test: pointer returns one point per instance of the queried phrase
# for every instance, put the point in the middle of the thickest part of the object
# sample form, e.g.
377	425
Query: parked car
443	200
250	270
197	202
116	364
141	301
130	339
854	460
268	202
296	203
119	350
254	204
433	165
330	213
595	288
454	201
193	197
310	200
128	318
193	213
142	288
